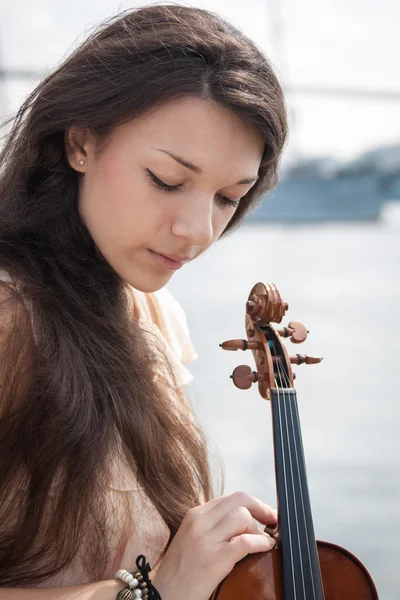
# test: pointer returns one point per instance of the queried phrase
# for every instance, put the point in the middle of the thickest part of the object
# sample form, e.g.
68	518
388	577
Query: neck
300	565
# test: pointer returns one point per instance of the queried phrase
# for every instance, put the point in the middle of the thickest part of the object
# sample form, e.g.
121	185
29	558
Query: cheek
114	188
221	220
114	202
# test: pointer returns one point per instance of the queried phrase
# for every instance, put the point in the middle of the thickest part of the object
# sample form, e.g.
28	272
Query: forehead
203	131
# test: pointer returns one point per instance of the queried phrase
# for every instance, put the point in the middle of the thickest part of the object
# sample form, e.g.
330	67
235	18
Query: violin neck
300	564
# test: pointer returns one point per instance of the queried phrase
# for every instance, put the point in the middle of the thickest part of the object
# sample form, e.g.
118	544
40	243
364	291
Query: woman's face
146	232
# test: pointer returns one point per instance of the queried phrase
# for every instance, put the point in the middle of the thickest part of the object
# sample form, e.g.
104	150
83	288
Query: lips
180	258
176	257
169	261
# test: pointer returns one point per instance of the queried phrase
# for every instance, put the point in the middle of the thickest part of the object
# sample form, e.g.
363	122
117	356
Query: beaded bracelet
139	584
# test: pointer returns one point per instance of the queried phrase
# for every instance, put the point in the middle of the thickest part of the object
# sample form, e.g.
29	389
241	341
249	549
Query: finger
248	543
264	513
202	509
235	522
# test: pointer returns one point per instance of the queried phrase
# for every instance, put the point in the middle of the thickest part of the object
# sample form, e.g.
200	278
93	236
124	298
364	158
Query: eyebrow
198	170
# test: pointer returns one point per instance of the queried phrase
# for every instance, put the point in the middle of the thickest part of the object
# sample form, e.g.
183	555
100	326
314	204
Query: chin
139	277
147	284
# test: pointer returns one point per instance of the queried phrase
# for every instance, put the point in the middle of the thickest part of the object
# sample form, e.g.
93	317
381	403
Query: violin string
278	408
313	541
293	463
297	450
283	377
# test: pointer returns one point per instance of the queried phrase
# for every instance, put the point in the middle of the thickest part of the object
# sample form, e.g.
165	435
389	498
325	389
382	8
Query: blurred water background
327	237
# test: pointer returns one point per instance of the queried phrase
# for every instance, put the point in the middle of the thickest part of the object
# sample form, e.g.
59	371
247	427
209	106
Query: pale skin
132	222
127	214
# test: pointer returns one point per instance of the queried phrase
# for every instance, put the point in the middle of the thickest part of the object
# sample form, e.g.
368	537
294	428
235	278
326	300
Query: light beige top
161	314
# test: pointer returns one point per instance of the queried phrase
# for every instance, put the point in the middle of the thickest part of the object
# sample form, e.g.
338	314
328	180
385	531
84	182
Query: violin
298	567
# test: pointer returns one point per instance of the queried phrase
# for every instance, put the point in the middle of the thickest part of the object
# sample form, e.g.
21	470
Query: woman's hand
212	538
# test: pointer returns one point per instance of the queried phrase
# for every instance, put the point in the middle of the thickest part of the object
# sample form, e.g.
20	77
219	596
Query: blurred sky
326	43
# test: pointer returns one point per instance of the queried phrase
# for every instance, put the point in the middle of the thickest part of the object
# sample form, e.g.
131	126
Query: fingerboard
300	564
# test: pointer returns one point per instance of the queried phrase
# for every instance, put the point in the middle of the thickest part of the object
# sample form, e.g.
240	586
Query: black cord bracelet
144	568
139	583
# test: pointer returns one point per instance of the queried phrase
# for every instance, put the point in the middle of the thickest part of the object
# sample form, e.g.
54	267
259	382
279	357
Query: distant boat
323	189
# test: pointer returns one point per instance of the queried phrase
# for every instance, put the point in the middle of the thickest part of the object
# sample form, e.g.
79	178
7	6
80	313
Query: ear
78	147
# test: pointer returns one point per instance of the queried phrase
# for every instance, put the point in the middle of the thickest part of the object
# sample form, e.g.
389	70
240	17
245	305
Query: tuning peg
296	331
243	377
241	345
301	359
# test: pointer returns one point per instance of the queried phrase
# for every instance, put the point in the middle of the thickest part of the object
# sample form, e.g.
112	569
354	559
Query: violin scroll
263	307
265	304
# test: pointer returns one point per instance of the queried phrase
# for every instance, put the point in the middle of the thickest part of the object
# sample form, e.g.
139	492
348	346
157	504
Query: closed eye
173	188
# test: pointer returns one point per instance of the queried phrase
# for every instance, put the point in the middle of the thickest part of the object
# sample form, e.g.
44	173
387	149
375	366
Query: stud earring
81	162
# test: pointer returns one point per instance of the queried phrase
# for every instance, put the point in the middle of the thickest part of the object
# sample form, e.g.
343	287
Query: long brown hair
87	377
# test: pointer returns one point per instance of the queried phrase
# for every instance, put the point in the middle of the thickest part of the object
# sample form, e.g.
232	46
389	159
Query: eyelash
173	188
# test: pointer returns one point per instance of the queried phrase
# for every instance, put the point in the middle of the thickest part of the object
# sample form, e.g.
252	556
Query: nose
194	222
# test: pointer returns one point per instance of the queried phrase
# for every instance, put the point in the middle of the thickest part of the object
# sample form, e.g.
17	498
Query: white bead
131	581
117	574
124	575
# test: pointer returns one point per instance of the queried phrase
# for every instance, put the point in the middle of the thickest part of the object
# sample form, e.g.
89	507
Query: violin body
260	576
299	567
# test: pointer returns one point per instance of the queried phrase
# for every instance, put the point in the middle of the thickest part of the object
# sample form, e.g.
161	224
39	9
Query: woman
150	142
